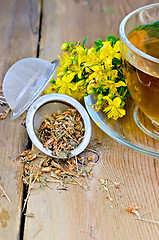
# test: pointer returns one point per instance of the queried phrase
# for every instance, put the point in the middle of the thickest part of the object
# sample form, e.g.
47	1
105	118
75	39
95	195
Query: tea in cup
139	35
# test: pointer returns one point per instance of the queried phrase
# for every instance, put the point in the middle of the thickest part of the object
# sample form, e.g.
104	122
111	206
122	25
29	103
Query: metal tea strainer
24	82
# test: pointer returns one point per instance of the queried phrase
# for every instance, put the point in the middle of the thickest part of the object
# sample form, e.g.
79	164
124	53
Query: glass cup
141	63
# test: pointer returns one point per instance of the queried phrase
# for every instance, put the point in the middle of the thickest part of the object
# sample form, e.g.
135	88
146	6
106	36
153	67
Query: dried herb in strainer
62	132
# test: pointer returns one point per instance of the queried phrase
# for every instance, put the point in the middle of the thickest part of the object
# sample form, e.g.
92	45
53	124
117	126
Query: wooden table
34	28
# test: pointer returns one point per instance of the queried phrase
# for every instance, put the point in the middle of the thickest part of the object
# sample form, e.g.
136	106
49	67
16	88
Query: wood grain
19	22
78	214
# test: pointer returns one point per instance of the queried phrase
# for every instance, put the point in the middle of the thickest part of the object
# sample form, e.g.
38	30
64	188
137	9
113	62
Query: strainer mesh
24	80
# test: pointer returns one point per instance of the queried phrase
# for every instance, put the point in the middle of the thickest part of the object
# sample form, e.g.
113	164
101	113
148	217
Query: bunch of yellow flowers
94	71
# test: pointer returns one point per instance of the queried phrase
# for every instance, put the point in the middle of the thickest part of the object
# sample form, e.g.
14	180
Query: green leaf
42	182
99	40
116	61
52	80
97	43
112	39
84	41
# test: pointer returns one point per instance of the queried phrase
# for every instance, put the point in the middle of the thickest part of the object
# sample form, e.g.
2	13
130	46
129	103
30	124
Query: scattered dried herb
63	171
4	193
91	154
62	132
115	184
104	183
4	108
31	215
135	210
27	156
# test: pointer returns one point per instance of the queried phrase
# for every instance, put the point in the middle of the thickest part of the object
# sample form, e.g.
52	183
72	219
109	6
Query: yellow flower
117	50
73	62
114	109
112	85
77	95
112	74
64	85
98	72
61	71
108	63
50	89
107	52
92	58
77	69
66	59
80	50
91	71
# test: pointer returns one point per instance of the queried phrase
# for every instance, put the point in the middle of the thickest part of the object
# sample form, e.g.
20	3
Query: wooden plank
79	214
19	22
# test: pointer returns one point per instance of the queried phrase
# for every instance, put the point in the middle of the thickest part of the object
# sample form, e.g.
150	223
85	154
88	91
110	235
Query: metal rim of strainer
67	100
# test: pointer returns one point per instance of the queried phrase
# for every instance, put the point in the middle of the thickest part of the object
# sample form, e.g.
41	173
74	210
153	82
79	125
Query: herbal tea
143	87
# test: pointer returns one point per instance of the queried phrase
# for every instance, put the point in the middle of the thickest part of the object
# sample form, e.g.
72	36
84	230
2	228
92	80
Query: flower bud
65	46
89	87
100	96
99	102
80	83
69	62
111	95
65	69
91	91
74	62
60	74
88	70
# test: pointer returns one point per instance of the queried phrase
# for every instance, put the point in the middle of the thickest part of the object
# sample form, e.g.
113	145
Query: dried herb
4	193
31	215
135	210
62	132
4	108
63	171
104	183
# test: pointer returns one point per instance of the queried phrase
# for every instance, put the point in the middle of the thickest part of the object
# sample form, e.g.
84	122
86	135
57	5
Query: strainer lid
24	82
